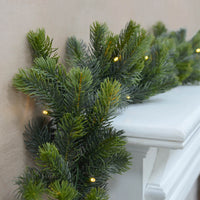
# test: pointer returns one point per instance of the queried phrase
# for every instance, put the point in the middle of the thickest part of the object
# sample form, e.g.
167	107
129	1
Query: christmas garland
73	143
185	54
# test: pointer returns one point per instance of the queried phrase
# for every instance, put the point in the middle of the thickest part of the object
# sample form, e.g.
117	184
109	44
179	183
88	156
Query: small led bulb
92	179
198	50
45	112
128	97
116	59
146	57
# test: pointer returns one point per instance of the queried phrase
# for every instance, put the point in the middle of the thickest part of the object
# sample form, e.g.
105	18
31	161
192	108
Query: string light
116	59
146	57
128	97
45	112
92	179
198	50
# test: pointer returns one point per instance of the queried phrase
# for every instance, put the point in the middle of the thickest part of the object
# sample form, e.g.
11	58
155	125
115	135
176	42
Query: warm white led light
116	59
92	179
45	112
198	50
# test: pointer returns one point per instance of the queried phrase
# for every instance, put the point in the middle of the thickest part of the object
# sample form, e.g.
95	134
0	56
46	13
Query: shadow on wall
24	109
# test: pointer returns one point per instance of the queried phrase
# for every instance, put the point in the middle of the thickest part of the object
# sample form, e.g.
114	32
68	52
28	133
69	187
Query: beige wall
62	18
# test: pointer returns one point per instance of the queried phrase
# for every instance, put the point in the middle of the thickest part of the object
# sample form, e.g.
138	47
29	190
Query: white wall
62	18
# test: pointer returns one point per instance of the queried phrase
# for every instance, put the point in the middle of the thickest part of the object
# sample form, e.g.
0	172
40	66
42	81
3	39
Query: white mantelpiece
164	138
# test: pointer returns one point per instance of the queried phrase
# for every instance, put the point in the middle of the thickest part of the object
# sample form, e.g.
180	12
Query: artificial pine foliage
183	57
184	53
41	44
158	74
124	57
97	194
159	29
195	75
31	185
120	57
75	147
62	191
38	132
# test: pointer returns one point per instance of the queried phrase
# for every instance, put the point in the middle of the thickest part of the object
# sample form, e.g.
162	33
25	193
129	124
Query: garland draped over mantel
73	143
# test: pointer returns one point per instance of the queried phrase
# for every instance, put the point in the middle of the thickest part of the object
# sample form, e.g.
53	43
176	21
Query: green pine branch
78	88
62	191
159	29
52	164
97	194
38	132
108	98
75	146
159	73
184	55
31	185
76	108
122	57
41	44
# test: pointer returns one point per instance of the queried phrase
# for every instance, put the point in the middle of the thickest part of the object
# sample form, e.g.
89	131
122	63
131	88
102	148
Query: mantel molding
163	136
175	171
166	120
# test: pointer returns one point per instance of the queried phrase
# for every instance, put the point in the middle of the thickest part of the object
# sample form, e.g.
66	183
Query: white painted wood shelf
164	138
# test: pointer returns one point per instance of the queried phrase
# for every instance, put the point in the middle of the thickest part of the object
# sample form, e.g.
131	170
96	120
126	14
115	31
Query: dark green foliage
69	130
183	61
132	45
38	132
41	44
122	57
185	58
103	155
31	185
129	47
195	75
195	41
76	141
52	164
62	191
51	178
45	82
78	90
50	84
158	74
106	102
159	29
97	194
